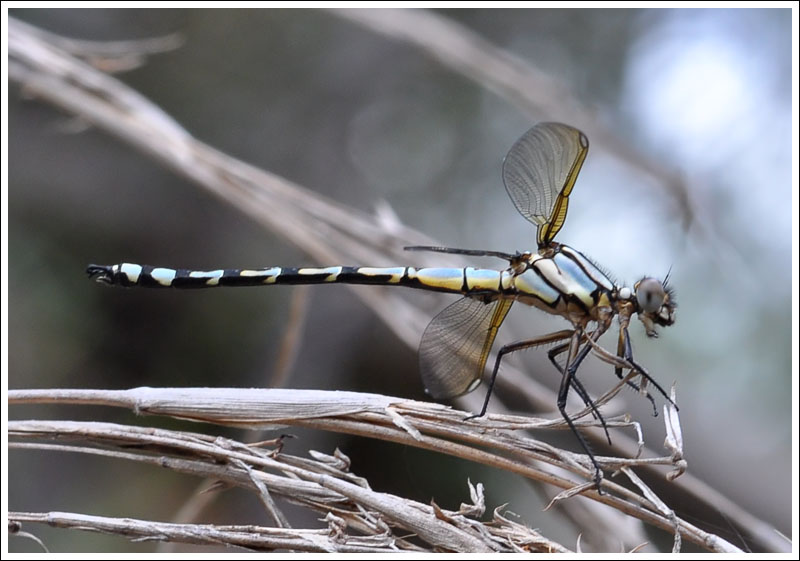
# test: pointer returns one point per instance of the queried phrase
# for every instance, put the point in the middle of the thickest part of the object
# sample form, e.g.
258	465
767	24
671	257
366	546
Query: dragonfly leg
518	346
578	386
576	356
555	351
623	348
626	361
543	340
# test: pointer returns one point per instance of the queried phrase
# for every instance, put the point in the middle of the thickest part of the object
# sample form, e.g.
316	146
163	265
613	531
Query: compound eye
650	294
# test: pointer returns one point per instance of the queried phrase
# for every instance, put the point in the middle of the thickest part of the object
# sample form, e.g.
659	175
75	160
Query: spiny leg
577	385
622	349
574	359
518	346
555	351
627	362
543	340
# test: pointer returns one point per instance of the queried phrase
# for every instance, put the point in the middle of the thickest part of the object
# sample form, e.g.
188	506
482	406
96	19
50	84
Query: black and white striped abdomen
453	280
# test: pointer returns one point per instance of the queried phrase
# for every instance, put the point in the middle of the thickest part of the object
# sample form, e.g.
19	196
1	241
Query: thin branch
249	537
110	56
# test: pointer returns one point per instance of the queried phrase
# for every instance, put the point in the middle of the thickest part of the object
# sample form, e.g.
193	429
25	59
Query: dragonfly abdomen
453	280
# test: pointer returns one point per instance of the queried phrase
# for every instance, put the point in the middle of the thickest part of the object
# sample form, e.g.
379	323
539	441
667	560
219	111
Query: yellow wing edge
547	231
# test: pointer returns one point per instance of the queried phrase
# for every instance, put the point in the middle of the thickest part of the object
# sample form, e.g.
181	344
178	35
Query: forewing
456	344
539	173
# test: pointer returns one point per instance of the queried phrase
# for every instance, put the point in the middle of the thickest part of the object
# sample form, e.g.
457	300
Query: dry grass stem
496	440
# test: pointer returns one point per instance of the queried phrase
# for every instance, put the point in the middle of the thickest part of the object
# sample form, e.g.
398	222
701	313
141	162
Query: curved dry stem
359	519
495	440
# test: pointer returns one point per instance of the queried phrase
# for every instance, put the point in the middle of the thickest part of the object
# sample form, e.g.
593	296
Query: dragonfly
539	173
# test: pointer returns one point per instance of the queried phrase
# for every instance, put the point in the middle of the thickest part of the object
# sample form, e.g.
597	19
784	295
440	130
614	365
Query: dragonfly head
655	304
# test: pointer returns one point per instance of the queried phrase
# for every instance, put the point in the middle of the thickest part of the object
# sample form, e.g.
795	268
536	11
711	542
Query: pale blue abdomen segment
443	278
483	279
457	280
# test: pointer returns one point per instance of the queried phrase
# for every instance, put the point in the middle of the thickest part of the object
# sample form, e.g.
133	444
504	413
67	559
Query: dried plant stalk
496	440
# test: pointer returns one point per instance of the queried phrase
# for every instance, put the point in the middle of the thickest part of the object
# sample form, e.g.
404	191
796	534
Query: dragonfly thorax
562	281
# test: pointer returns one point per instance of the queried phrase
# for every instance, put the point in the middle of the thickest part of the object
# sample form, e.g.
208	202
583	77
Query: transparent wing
539	173
456	344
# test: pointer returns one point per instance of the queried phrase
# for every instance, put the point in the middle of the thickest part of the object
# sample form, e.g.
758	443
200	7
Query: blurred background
689	171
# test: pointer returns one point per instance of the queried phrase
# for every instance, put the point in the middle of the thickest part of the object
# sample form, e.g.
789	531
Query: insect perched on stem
539	173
